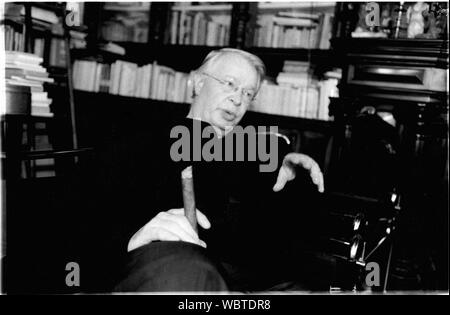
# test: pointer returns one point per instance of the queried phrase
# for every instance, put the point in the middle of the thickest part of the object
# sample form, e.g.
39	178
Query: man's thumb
281	181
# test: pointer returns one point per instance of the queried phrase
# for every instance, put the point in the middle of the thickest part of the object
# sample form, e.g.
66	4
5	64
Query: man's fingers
201	218
317	177
178	224
175	235
281	179
165	235
322	185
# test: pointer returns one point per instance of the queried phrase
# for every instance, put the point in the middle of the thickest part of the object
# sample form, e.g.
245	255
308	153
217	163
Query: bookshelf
165	40
44	45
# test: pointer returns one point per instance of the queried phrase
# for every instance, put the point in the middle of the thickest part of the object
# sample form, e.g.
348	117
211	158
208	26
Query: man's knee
171	266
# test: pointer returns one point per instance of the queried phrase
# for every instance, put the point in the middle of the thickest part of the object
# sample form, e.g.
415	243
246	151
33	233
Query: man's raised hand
287	171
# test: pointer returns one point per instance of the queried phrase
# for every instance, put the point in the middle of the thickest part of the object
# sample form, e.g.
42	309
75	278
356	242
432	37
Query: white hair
215	55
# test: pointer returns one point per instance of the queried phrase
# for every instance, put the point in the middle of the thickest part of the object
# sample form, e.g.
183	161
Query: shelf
250	117
141	53
13	22
290	53
38	25
26	118
299	123
125	8
211	7
46	154
81	28
295	5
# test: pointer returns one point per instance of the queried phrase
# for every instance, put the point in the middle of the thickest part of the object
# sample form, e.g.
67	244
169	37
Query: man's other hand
171	225
287	170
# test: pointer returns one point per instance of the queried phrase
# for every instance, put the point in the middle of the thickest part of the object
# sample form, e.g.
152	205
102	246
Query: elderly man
167	254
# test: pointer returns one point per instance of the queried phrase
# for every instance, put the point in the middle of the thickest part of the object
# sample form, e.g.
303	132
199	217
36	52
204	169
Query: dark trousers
171	267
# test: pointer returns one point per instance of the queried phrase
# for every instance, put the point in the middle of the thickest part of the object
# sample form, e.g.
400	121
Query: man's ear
198	81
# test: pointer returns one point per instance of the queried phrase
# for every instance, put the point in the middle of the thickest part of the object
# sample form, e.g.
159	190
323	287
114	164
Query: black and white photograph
228	154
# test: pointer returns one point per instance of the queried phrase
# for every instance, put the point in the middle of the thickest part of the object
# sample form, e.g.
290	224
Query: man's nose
236	98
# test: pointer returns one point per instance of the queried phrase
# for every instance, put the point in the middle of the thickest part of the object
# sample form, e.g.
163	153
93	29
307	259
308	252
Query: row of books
25	69
311	32
14	40
196	28
309	101
125	78
297	93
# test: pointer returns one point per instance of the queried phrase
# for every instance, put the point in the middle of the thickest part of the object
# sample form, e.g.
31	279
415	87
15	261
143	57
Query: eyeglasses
230	86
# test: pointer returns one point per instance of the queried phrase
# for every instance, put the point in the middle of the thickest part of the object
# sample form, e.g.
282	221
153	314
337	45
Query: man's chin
223	128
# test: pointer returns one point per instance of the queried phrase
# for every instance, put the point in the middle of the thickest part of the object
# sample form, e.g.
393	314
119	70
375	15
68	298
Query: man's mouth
228	115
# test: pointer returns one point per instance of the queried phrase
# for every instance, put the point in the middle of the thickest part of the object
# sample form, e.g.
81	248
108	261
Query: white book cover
199	16
174	27
137	86
127	78
39	95
25	66
42	79
148	87
211	33
23	57
117	76
181	29
326	31
142	83
24	81
287	21
98	73
91	76
155	80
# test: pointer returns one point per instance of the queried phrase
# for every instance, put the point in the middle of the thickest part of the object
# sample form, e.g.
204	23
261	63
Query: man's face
216	103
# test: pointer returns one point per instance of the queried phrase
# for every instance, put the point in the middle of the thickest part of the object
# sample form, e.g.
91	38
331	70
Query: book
300	15
288	21
326	31
57	53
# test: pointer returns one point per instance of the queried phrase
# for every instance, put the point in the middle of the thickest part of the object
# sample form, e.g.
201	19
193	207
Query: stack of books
152	81
25	69
296	93
78	39
294	30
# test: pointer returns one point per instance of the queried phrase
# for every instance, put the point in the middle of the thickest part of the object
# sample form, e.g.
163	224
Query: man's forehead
232	60
232	64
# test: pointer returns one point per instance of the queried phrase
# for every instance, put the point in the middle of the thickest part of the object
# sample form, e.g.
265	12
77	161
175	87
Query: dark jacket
235	196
